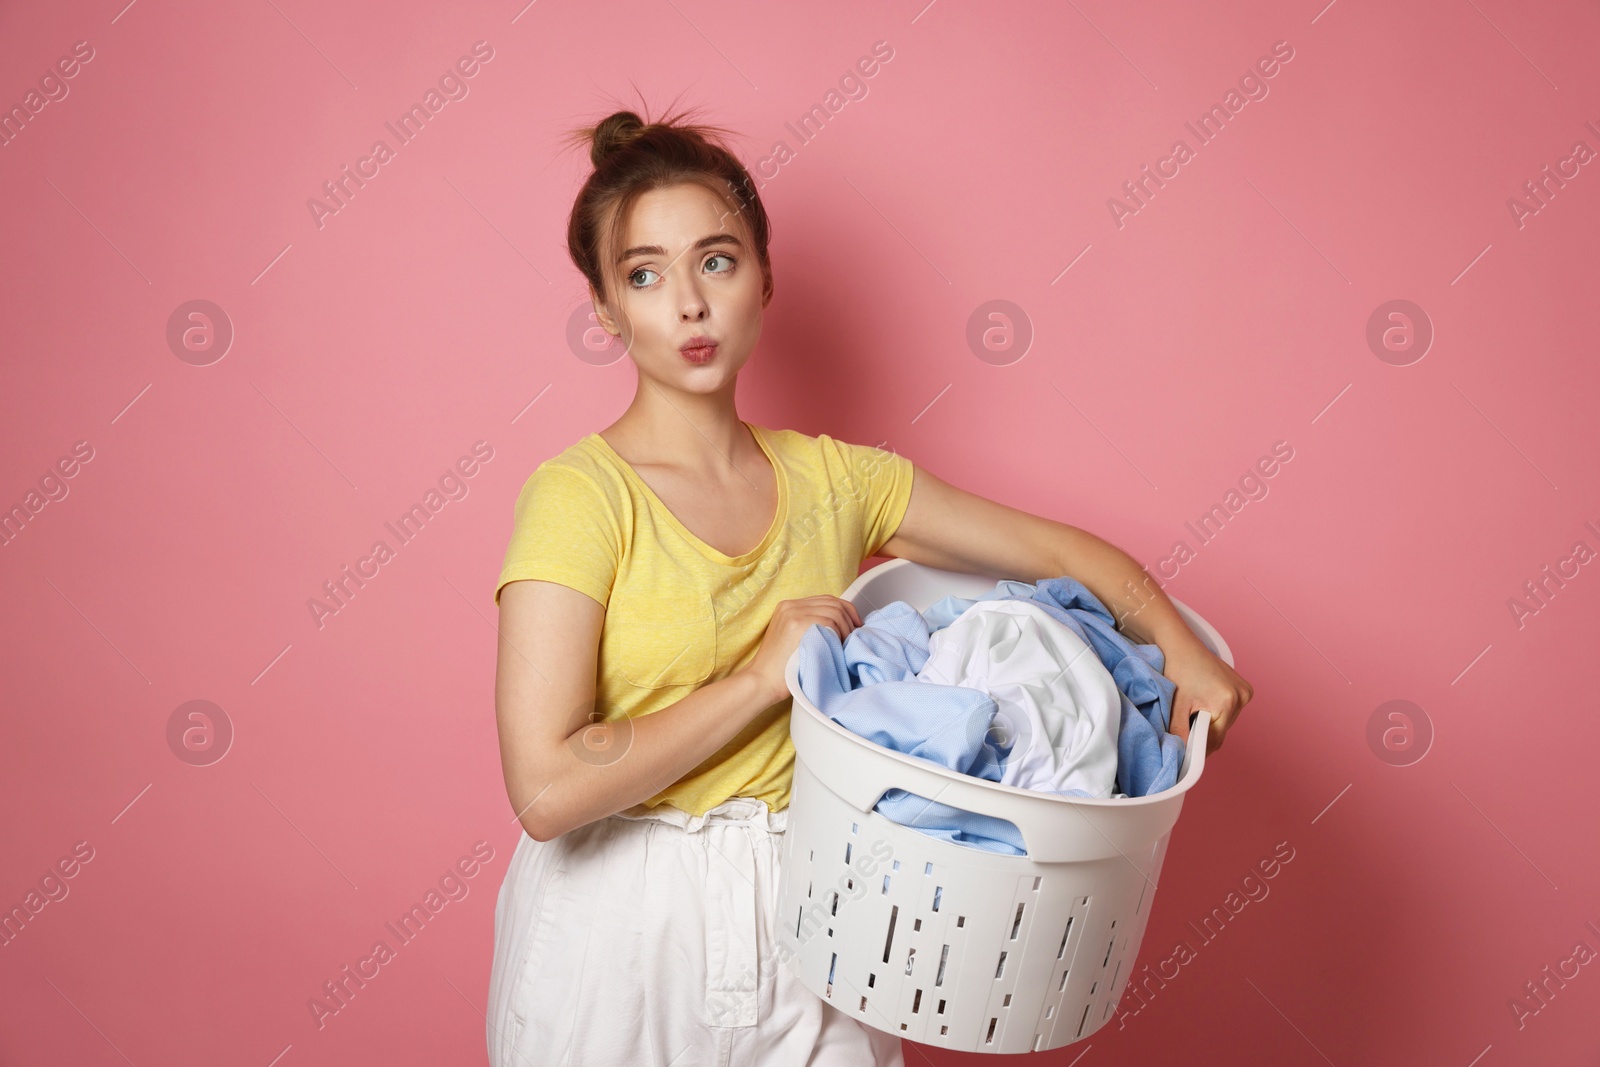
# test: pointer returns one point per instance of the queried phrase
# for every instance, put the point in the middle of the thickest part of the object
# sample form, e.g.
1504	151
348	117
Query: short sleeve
880	481
566	531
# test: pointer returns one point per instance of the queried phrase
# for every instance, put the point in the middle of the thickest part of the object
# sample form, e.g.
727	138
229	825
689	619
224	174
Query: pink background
371	352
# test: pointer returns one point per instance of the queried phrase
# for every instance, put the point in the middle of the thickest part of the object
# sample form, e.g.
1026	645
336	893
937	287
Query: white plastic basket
942	943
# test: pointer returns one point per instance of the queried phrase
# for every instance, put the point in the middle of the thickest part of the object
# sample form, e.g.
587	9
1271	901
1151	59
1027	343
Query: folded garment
1148	757
1057	705
868	684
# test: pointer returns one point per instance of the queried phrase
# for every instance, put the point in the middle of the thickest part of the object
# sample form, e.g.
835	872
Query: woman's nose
691	302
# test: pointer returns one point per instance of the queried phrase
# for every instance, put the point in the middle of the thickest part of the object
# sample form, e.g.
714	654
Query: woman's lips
699	353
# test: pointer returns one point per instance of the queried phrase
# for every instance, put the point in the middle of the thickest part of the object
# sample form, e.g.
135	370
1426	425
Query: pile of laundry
1030	686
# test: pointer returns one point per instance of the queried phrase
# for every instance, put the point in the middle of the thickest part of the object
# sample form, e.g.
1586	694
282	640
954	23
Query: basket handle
1194	753
1120	825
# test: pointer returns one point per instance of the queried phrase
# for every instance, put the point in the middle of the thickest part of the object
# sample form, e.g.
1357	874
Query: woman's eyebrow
704	242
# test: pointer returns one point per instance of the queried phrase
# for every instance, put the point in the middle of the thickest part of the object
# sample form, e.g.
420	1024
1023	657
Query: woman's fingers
1178	724
832	611
1224	711
835	615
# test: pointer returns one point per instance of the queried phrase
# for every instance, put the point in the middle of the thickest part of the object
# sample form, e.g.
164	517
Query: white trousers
650	941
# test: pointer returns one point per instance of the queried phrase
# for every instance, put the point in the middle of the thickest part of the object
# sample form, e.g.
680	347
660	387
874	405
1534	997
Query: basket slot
1109	948
916	1001
894	914
944	955
1080	912
988	1039
911	957
1083	1020
1013	963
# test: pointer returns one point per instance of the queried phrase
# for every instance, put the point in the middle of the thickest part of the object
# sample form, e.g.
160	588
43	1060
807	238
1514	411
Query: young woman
659	574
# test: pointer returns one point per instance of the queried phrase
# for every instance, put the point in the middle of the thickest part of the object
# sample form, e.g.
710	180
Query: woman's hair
632	157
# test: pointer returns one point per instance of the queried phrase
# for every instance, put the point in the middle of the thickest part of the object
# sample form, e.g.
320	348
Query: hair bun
615	131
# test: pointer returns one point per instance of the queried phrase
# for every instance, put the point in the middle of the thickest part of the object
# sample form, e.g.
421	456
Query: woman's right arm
563	768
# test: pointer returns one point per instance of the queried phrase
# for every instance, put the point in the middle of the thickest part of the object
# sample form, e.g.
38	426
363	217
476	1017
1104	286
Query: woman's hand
787	626
1205	683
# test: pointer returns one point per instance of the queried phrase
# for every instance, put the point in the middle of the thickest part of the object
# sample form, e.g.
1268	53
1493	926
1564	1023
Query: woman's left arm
953	529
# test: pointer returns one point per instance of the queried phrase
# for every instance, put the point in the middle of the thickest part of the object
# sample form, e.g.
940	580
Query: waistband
746	811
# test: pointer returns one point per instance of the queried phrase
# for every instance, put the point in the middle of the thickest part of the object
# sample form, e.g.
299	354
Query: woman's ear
602	315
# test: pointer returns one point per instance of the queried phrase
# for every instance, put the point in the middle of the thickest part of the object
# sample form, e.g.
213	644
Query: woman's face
687	270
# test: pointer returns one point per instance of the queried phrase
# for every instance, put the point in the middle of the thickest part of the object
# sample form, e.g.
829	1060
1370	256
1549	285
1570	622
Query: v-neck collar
780	515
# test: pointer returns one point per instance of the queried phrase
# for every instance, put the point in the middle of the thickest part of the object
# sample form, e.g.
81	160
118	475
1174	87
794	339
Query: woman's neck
693	432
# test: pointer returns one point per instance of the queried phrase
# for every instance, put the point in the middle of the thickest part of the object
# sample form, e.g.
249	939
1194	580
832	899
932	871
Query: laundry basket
942	943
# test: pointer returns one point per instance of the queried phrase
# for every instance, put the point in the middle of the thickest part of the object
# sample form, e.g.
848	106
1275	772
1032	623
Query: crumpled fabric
868	684
1148	757
1057	703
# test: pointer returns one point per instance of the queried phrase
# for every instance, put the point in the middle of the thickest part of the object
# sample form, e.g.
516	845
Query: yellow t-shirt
679	613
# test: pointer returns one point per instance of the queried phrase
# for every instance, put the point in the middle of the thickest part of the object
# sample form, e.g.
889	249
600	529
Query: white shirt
1056	700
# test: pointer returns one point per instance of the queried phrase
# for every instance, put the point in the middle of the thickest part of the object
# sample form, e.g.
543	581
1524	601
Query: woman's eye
633	278
722	255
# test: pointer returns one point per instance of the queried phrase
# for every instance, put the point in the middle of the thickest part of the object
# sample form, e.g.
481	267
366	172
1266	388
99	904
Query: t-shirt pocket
662	641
